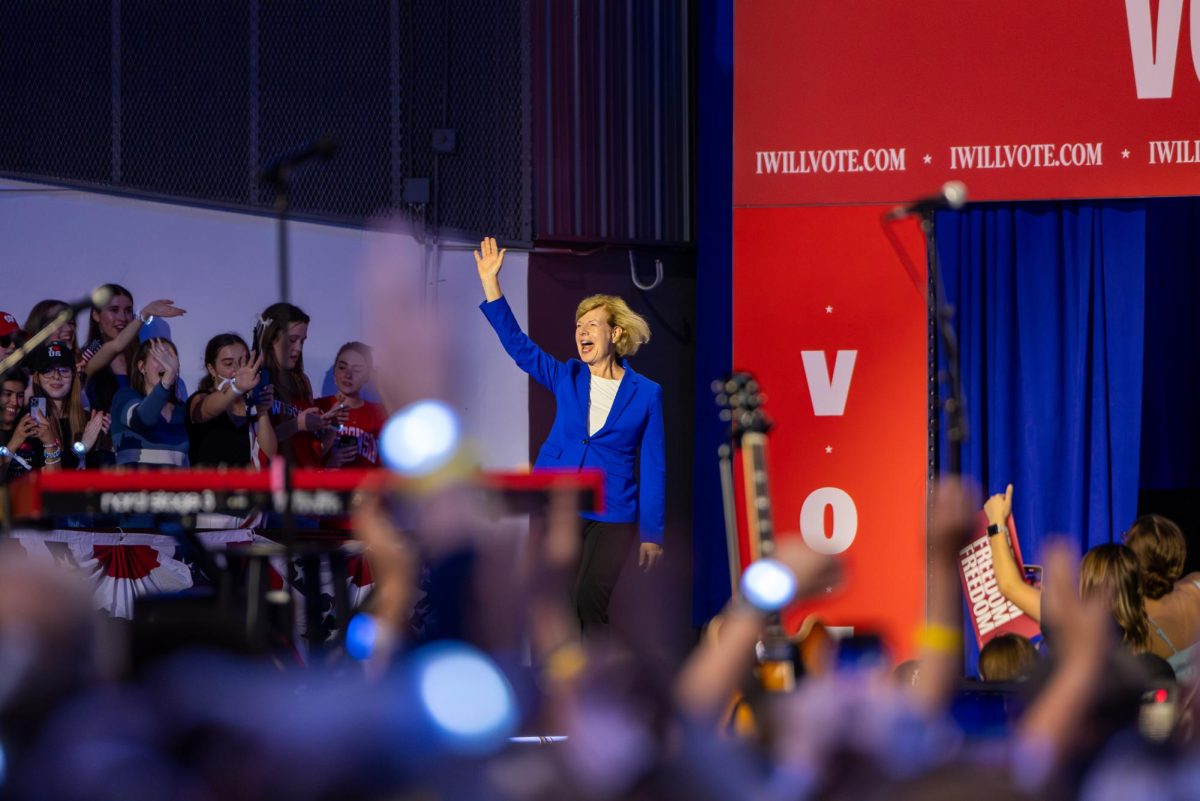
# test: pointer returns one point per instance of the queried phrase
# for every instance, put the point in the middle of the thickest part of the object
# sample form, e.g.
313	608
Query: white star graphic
829	310
829	449
928	159
1125	153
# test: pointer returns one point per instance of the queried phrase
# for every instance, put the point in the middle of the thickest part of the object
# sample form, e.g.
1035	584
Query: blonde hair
1114	569
635	331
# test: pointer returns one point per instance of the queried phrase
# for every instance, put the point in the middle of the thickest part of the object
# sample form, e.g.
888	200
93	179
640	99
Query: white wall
221	267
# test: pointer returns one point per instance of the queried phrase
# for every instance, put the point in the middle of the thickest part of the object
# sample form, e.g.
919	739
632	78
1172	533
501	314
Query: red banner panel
883	101
834	328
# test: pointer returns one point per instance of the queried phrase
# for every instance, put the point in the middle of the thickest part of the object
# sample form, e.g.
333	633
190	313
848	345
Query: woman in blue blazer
608	417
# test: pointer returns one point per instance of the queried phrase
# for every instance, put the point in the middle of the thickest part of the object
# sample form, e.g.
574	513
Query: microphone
99	298
952	195
276	172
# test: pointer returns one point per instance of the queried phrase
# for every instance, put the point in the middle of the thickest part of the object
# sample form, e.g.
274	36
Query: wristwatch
993	529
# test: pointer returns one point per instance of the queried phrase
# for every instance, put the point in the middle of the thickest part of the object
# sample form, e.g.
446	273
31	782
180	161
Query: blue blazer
632	432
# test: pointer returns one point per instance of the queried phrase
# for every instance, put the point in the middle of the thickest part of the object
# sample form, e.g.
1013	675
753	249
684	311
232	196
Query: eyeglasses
9	340
60	372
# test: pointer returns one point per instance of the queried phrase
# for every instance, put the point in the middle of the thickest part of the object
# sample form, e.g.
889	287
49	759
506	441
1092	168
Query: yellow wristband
565	662
940	639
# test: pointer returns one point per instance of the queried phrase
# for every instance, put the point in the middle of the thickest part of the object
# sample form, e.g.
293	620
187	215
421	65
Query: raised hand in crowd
168	363
488	260
394	570
97	424
247	376
1083	639
118	344
951	521
715	670
997	509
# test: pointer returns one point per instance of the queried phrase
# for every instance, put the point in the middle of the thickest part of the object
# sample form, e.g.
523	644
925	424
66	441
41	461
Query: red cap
8	324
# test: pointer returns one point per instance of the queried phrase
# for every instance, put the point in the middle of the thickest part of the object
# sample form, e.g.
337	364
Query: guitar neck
758	498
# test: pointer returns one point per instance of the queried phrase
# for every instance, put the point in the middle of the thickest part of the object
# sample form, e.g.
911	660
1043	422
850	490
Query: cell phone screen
38	404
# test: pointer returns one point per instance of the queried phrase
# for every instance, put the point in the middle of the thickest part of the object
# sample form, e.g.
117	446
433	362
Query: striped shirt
140	433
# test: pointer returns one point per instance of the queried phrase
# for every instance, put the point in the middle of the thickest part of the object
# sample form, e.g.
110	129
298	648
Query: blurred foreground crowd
88	711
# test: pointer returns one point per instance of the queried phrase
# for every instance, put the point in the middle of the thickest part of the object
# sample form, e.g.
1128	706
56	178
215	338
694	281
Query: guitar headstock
741	400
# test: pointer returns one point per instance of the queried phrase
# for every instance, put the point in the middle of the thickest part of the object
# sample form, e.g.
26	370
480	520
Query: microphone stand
954	406
310	560
279	180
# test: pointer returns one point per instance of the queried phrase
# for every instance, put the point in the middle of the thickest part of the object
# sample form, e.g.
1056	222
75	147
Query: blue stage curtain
1171	383
1049	314
1049	301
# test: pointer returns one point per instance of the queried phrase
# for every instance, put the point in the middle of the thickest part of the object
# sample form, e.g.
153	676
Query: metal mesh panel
185	98
189	98
324	69
487	112
55	89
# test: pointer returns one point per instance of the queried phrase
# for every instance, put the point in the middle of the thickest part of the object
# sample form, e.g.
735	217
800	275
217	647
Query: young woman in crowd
229	415
1109	569
46	310
16	427
1172	599
1113	570
113	343
148	419
76	435
357	443
300	428
11	335
1008	657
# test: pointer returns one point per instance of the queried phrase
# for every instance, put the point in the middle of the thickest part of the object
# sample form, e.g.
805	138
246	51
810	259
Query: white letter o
812	520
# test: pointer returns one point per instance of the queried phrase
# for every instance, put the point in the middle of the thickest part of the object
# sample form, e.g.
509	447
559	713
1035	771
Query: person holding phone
149	421
357	441
229	415
15	426
78	437
609	417
279	335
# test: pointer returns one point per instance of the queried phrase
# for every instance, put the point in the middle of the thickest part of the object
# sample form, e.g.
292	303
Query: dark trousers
606	546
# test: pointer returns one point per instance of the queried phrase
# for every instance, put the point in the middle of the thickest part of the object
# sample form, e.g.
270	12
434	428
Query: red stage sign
1019	99
834	329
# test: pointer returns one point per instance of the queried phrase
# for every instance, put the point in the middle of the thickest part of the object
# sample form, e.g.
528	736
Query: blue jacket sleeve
146	412
544	368
652	484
